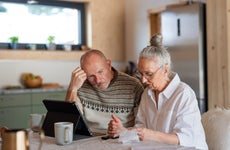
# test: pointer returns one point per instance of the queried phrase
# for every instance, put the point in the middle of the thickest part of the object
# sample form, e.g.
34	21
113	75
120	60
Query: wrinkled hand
145	134
78	77
115	127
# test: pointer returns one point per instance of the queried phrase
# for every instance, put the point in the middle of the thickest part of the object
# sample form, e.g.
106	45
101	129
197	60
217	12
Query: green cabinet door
15	110
15	117
37	98
10	100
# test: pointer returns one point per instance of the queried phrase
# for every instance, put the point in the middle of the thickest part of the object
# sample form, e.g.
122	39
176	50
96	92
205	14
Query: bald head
90	55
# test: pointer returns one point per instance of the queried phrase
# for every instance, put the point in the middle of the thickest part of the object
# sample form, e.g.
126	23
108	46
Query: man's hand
77	79
115	127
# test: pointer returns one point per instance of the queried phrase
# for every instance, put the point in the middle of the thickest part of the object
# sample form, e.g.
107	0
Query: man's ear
108	61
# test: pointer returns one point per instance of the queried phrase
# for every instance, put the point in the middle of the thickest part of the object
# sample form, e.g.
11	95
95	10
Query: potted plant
14	42
51	44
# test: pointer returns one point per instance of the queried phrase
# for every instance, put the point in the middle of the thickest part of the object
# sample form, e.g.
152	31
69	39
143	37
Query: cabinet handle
178	27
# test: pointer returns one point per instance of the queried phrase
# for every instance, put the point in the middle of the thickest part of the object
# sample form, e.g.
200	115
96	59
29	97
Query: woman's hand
145	134
115	127
148	134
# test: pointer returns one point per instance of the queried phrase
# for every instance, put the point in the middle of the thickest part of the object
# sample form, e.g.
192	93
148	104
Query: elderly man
100	90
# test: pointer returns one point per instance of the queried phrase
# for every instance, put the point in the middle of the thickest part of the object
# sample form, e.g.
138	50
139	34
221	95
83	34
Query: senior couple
165	111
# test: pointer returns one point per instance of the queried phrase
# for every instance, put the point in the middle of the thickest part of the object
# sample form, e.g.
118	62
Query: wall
137	27
218	33
120	28
105	25
51	71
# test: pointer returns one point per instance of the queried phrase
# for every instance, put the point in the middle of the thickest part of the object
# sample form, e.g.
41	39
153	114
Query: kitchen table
96	143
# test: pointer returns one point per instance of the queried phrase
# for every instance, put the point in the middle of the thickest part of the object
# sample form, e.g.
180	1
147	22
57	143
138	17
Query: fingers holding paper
145	134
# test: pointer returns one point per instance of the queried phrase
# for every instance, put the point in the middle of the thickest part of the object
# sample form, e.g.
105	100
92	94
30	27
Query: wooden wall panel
218	53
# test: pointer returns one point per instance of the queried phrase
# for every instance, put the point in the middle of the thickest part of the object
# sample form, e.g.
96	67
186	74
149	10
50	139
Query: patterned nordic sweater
121	98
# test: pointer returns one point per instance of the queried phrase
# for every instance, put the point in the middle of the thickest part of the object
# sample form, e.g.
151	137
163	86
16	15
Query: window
34	23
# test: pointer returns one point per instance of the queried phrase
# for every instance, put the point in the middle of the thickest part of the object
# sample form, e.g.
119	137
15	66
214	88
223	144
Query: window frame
82	23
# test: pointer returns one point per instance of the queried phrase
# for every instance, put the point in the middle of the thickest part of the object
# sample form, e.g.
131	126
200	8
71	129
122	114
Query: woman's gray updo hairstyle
157	50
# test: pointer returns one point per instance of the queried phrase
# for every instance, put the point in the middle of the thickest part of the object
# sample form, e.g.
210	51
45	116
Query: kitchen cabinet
15	100
37	98
15	117
16	108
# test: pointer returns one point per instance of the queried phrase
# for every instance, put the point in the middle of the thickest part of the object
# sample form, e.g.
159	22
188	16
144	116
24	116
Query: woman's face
152	73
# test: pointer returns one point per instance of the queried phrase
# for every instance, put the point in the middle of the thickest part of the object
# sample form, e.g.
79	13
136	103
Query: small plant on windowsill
51	44
14	42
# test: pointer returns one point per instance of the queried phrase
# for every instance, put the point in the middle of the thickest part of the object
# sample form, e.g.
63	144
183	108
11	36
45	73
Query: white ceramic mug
63	132
36	120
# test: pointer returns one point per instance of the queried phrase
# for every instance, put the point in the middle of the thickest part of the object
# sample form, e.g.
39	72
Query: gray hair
157	51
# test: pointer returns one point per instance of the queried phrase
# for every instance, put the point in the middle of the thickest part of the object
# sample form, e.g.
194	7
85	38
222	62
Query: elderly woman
168	111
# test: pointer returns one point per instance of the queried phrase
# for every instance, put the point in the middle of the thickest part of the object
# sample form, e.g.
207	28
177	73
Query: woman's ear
166	69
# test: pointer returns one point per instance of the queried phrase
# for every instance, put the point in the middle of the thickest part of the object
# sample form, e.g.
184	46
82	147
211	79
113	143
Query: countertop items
46	88
12	87
30	80
96	143
51	85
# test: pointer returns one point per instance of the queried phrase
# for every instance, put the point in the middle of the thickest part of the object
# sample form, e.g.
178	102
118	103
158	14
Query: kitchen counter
20	103
35	90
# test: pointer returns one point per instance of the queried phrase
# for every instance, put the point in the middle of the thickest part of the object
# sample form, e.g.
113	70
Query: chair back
216	123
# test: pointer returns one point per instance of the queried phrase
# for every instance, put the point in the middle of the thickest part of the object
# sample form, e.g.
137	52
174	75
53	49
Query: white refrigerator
183	30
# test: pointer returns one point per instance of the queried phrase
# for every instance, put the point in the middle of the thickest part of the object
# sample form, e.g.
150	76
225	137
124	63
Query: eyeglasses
148	75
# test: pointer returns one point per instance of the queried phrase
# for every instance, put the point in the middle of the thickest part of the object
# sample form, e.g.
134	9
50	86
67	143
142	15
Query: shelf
40	55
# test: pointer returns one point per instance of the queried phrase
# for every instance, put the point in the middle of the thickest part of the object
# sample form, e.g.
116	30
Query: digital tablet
63	111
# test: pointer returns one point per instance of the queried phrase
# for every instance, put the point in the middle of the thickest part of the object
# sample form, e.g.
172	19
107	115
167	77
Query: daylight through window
35	23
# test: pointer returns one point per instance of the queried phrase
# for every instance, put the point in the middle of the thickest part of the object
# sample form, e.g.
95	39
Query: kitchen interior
121	29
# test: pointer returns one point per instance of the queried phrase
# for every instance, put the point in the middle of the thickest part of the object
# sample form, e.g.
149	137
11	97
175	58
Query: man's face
98	72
